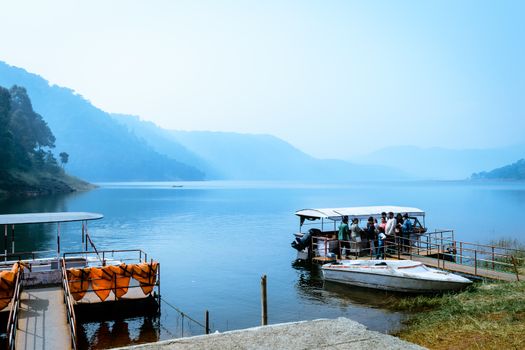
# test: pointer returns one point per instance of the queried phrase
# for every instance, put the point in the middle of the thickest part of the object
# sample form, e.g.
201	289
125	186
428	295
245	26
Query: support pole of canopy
87	234
13	239
5	242
58	240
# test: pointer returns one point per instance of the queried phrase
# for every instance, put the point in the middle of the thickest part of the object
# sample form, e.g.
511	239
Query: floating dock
41	296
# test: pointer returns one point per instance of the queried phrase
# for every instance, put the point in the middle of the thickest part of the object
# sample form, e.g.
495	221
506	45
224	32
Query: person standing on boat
371	235
391	223
344	236
380	254
406	229
355	231
390	228
382	224
355	235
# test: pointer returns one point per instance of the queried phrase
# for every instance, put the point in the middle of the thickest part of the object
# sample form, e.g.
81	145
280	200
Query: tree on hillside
6	137
25	138
36	133
64	158
33	136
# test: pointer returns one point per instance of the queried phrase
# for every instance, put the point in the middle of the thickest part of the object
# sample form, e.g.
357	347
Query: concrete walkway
337	334
42	320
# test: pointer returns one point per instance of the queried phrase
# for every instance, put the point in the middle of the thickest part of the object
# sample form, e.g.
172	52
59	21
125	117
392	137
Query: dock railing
438	245
28	256
103	256
70	311
477	256
12	321
118	257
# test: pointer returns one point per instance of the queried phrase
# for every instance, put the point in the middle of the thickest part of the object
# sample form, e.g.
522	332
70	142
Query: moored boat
393	275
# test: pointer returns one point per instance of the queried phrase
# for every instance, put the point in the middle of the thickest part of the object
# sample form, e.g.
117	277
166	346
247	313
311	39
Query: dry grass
486	316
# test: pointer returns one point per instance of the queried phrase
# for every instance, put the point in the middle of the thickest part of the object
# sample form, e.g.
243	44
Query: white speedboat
393	275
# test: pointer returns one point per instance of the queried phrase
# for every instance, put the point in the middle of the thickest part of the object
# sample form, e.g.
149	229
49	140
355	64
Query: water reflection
34	237
122	332
373	308
310	284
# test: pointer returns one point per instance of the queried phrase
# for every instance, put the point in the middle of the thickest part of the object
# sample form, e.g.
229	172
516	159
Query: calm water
216	239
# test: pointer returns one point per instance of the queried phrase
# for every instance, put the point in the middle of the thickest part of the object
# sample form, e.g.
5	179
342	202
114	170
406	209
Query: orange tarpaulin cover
123	273
78	282
7	285
146	274
102	281
114	278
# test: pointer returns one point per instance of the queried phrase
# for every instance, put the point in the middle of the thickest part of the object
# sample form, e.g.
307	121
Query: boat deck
42	321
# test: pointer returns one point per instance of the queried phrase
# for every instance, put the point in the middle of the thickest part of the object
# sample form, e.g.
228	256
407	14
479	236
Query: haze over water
215	240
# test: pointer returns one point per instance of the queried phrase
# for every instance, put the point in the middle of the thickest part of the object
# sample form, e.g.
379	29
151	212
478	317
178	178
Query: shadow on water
121	332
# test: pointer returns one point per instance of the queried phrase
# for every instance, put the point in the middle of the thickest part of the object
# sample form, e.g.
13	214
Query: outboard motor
303	242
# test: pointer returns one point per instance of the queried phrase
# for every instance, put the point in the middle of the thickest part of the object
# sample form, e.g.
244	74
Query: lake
215	240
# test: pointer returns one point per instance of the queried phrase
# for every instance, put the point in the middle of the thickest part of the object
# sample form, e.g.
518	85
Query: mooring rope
182	313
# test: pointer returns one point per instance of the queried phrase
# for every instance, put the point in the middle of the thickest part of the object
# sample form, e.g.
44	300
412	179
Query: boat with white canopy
393	275
317	236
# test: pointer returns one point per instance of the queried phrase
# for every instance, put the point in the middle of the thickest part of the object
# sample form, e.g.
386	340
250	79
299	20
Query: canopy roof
358	212
42	218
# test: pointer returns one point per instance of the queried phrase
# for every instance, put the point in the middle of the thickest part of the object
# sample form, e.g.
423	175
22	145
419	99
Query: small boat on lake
393	275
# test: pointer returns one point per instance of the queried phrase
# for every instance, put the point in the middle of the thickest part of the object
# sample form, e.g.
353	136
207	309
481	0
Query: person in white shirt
391	223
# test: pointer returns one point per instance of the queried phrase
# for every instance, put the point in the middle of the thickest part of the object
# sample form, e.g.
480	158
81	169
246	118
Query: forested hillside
27	163
515	171
100	149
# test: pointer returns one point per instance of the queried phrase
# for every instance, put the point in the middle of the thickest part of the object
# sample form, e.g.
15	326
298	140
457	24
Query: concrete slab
42	320
337	334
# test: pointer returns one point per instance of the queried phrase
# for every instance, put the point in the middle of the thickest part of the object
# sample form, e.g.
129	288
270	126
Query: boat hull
394	281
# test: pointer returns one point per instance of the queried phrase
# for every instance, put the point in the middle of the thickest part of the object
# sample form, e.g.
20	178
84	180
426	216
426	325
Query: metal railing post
493	266
475	262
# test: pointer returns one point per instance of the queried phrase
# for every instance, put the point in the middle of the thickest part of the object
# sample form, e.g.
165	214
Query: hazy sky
334	78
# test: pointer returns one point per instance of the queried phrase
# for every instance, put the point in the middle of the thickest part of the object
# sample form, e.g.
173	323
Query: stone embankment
337	334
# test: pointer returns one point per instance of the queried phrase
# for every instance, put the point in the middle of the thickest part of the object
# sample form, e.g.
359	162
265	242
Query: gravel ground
340	333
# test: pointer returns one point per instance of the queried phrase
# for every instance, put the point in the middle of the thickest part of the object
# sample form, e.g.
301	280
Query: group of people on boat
374	236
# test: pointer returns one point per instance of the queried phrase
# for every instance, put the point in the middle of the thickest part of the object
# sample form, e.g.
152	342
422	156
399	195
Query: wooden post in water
207	322
264	319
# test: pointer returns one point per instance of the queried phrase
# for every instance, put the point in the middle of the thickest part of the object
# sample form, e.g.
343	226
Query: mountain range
234	156
99	148
105	147
116	147
442	163
512	172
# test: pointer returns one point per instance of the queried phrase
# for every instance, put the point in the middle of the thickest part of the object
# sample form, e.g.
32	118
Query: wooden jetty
42	323
465	269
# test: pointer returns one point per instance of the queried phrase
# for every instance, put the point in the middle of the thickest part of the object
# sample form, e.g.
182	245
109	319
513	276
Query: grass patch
485	316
